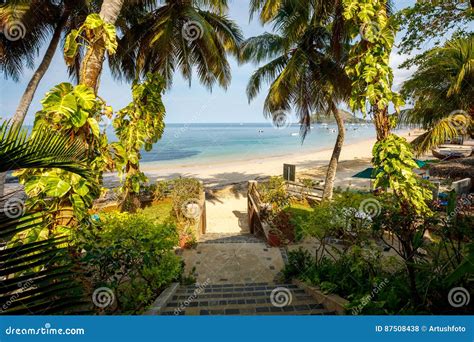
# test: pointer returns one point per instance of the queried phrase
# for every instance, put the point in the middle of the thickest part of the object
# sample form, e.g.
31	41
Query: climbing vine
138	126
393	156
75	111
368	65
94	33
372	79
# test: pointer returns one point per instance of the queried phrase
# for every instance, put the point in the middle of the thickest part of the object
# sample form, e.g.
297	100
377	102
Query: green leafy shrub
186	192
300	261
274	192
162	189
131	255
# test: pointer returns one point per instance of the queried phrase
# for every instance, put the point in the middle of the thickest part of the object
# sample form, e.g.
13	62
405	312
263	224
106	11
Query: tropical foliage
393	156
138	126
130	255
38	277
360	268
303	69
442	93
369	67
180	35
74	111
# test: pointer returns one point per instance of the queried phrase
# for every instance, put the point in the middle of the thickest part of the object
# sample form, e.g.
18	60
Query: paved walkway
226	212
228	253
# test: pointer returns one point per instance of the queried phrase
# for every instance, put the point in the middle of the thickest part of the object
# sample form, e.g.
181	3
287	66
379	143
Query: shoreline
355	157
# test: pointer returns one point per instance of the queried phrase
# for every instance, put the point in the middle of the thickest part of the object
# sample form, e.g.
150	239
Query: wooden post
250	208
289	172
203	223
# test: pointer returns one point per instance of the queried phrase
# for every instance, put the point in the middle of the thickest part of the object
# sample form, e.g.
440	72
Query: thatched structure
454	169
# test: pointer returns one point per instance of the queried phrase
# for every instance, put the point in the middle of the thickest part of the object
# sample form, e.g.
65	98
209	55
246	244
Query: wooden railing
202	223
254	205
300	190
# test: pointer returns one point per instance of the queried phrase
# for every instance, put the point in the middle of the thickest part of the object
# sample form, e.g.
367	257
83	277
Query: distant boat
324	124
294	134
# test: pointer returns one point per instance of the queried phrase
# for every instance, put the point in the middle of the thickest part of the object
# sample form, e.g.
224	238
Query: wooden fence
255	204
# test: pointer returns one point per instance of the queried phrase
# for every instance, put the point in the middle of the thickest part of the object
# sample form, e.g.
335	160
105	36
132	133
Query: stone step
250	312
235	288
232	296
229	238
241	299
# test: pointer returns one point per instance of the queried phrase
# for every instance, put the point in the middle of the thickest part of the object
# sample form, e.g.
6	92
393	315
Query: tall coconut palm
303	71
442	93
91	66
34	23
183	35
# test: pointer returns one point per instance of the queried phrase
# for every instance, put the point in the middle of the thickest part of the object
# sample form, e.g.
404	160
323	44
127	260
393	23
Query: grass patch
158	212
299	214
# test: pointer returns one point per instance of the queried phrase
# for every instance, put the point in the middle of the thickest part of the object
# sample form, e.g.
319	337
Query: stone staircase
242	299
229	238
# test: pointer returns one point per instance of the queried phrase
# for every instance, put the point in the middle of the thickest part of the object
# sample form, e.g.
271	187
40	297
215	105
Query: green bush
185	191
274	192
131	255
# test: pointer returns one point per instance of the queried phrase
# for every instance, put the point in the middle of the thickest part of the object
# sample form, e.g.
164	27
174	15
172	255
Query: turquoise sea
190	144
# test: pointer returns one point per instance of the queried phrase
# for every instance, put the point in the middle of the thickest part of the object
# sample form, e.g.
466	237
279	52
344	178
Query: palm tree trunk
91	67
30	90
382	123
331	173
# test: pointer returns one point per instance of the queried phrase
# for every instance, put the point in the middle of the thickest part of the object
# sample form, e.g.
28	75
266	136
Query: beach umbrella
367	173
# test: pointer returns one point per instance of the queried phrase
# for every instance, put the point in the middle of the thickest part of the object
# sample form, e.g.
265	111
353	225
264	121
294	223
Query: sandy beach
354	158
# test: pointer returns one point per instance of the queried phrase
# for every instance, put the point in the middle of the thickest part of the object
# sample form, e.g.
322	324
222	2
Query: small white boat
446	152
294	134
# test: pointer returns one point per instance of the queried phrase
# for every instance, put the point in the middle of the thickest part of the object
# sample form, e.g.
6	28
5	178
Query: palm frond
38	277
446	128
43	149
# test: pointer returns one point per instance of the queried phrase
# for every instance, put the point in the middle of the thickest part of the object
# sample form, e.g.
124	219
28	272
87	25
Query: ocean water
191	144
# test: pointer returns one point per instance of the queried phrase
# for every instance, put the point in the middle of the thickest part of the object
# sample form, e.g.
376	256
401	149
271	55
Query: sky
183	104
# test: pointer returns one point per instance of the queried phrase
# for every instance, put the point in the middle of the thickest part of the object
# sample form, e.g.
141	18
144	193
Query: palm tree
91	66
303	71
442	92
184	35
28	25
37	277
39	21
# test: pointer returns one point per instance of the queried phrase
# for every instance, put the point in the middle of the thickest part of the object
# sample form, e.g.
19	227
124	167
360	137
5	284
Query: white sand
354	158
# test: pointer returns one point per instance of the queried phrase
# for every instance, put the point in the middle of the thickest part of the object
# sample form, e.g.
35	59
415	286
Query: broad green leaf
79	118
